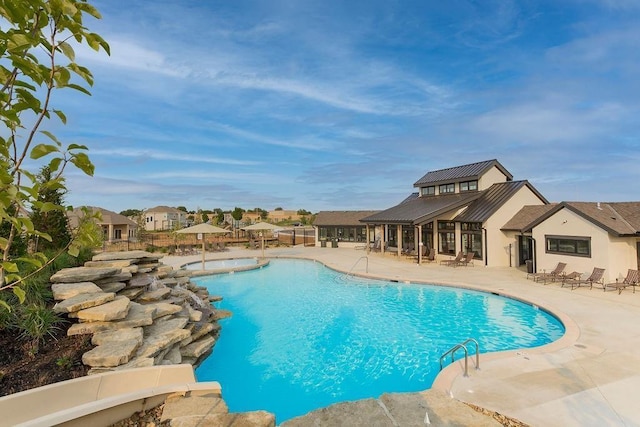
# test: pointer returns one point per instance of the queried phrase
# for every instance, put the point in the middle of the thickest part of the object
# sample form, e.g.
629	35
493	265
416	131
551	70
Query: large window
568	245
468	186
472	238
427	235
446	237
343	233
428	191
447	188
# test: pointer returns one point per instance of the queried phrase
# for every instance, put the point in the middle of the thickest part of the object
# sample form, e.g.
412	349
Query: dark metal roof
492	199
349	218
470	172
416	210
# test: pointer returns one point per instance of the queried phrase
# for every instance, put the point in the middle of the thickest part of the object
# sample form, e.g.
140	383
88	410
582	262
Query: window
117	234
446	237
568	245
343	233
469	186
447	188
472	238
428	191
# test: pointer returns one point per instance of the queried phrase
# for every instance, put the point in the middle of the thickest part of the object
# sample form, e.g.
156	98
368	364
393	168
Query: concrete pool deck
589	377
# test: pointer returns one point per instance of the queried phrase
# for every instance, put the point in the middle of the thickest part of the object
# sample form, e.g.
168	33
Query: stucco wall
498	252
492	176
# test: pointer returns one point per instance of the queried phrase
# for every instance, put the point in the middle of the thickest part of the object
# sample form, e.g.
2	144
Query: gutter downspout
486	255
533	255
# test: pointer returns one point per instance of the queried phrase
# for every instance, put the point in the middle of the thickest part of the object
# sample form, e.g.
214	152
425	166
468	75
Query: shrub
36	322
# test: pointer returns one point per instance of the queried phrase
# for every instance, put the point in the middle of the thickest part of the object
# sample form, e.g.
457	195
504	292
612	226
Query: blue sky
343	105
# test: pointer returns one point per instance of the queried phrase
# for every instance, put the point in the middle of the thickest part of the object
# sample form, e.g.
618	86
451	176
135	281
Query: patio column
399	239
420	243
383	237
366	240
110	233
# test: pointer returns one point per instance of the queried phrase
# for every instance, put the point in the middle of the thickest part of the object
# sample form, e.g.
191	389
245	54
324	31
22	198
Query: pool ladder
356	263
463	346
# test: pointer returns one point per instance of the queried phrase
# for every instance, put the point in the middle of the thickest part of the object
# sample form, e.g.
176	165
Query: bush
36	322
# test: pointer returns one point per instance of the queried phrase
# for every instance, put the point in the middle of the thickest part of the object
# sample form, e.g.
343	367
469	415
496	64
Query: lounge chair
466	260
552	275
431	256
595	277
452	262
633	276
566	277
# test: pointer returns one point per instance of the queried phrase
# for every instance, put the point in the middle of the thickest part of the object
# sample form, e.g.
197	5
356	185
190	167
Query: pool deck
591	376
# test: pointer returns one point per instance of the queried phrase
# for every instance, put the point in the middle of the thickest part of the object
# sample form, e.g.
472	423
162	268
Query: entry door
525	248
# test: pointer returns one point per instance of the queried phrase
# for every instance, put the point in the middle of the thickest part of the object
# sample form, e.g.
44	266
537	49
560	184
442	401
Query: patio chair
595	277
633	276
552	275
466	260
452	262
431	256
566	277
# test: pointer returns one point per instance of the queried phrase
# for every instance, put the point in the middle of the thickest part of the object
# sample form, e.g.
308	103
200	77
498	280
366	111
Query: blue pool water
303	336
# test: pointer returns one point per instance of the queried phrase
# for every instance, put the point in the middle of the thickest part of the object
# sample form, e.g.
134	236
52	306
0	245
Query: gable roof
617	218
341	217
472	171
108	217
524	219
416	210
492	199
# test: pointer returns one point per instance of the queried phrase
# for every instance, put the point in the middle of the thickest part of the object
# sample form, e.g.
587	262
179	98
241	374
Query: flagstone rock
112	286
198	348
241	419
139	280
165	309
110	355
169	282
122	276
125	334
131	293
162	326
62	291
133	255
82	301
153	344
83	274
202	329
139	315
119	263
222	314
133	269
173	356
155	295
215	298
177	406
114	310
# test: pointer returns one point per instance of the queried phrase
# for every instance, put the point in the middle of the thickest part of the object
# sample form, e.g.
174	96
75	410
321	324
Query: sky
343	105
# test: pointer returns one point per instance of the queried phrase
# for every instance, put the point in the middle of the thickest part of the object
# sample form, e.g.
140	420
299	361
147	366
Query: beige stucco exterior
615	254
490	177
502	248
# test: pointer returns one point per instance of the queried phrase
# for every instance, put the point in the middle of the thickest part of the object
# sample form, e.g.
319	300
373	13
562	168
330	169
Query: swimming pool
222	264
303	336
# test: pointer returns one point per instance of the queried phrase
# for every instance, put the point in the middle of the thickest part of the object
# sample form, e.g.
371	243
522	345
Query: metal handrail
356	263
463	346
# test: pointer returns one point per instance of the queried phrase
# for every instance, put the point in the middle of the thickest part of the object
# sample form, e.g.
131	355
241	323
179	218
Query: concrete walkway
591	376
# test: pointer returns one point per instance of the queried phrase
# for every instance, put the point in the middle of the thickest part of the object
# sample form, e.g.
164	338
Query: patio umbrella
203	229
261	226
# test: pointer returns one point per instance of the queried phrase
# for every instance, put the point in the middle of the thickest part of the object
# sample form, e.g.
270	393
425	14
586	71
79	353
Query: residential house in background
276	216
115	227
457	209
164	218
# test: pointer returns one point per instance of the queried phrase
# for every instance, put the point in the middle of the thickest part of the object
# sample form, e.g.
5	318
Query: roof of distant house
165	209
108	217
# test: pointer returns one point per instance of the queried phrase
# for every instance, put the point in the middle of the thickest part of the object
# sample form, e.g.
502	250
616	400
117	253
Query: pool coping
261	262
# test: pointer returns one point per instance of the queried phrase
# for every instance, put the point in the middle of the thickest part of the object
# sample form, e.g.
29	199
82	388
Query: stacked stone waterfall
140	311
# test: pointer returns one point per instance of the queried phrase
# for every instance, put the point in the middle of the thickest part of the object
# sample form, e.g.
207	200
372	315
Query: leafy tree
37	57
278	209
303	212
133	213
182	208
220	217
237	213
53	222
205	217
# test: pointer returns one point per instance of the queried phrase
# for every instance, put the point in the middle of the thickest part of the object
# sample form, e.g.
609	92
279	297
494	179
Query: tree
53	222
205	217
37	58
131	213
182	208
237	213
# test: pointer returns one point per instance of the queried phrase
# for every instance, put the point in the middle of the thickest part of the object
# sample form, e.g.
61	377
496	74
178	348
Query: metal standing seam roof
415	210
470	171
337	218
492	199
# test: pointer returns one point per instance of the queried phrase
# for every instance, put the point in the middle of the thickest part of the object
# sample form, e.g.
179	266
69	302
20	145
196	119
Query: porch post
420	243
399	238
383	237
